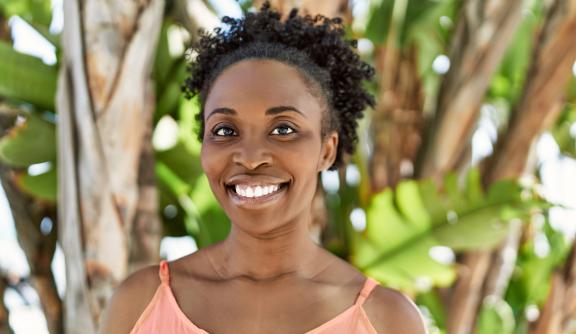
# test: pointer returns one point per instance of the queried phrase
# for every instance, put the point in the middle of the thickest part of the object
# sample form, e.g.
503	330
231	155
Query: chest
290	307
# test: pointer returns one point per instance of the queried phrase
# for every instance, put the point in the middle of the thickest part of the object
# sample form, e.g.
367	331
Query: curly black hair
314	45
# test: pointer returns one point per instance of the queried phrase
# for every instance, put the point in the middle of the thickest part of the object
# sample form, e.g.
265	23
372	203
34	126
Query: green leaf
411	205
496	316
421	14
379	23
412	269
432	301
509	81
43	186
189	126
479	229
30	142
27	79
562	131
168	177
386	226
404	225
182	162
474	192
530	282
214	224
35	11
205	220
169	100
163	60
396	251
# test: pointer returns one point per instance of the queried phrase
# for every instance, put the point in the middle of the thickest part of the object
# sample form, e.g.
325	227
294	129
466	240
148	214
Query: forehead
261	82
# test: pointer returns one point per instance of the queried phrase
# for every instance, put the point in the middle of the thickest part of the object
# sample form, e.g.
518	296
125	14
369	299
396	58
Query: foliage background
411	231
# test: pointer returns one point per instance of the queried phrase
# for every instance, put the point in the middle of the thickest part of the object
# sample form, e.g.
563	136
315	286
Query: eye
283	130
224	131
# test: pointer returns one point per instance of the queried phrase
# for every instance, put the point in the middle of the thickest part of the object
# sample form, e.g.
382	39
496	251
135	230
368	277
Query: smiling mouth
253	192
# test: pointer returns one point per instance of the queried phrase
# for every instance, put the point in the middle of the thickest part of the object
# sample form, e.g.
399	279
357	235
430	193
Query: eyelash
217	129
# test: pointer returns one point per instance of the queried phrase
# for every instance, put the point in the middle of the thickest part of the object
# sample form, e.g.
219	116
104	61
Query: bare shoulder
390	311
129	301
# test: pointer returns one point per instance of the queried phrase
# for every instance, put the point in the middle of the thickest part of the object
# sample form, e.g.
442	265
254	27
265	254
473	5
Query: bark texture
194	15
332	8
104	106
4	314
483	32
37	247
397	120
536	110
559	312
147	227
482	35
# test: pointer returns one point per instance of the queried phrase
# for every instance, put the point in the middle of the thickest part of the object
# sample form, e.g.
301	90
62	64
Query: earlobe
329	151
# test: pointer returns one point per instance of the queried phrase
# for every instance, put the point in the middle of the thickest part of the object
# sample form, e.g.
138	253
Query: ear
329	151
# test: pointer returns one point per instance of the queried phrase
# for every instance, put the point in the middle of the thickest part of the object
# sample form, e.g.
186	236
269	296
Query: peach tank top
163	315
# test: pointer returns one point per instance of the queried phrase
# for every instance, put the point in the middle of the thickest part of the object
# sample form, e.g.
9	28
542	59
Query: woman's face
262	147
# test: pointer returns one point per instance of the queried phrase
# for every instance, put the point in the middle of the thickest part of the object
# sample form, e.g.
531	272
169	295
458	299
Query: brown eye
283	130
224	131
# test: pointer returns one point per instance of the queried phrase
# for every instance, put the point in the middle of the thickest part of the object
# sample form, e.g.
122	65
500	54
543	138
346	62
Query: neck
287	251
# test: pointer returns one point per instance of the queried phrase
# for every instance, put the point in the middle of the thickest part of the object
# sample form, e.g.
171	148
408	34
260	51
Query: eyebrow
270	111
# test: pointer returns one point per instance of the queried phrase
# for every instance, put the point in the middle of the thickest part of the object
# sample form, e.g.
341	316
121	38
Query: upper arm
129	301
390	311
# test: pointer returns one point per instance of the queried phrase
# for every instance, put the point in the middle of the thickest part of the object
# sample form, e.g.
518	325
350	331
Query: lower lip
253	202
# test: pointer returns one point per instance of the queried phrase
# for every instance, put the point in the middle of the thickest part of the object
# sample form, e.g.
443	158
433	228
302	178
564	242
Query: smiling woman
280	100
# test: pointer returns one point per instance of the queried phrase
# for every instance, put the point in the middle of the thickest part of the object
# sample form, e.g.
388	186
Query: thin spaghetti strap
164	272
369	285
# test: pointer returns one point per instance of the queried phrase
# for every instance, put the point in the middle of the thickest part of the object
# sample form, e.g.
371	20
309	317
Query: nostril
252	160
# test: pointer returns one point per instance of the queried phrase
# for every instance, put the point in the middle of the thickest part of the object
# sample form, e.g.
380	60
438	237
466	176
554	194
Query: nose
252	156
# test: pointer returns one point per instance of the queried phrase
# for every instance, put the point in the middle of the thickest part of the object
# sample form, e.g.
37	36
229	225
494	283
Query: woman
280	101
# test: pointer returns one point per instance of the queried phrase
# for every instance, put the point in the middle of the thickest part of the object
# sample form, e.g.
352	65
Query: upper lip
254	180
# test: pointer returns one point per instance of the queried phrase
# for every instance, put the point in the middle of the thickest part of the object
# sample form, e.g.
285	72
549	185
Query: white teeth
266	190
257	191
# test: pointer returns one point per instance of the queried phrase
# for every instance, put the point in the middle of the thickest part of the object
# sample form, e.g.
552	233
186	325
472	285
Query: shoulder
130	300
390	311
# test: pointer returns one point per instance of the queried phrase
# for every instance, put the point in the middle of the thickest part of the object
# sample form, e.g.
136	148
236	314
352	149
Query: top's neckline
368	286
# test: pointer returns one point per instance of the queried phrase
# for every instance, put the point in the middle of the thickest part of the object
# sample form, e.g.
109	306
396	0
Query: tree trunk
147	228
483	32
569	307
5	33
397	120
539	105
4	314
482	35
104	105
467	295
536	111
329	8
194	15
560	308
38	247
551	320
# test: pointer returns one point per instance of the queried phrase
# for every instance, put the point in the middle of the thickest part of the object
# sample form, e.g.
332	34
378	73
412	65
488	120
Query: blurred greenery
403	225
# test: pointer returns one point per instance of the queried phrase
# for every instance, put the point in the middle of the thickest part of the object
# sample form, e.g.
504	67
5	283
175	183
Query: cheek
303	159
209	159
